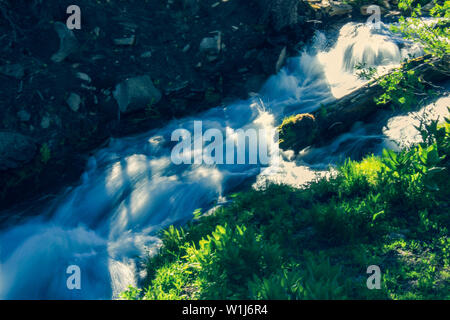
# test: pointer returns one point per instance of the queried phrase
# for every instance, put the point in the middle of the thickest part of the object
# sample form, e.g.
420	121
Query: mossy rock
297	132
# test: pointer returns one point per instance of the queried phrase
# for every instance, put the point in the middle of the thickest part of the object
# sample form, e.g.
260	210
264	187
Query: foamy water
131	189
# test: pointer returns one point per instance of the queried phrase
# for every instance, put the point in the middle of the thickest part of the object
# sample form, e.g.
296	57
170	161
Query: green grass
317	242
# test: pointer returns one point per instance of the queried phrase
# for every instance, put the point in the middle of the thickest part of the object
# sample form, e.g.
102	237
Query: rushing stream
132	189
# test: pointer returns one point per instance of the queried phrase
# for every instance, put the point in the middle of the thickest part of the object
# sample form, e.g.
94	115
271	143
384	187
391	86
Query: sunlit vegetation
317	242
432	34
404	88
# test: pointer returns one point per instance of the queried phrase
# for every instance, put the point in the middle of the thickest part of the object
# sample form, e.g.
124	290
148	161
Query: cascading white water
131	189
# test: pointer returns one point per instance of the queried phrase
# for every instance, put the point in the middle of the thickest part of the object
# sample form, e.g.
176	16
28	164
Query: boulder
15	150
74	102
297	131
211	45
136	94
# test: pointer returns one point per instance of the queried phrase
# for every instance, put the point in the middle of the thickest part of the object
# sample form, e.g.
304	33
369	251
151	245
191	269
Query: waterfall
131	189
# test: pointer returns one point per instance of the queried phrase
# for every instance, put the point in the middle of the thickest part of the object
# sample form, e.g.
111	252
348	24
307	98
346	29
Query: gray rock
45	122
15	150
13	70
136	94
74	102
211	45
84	77
68	43
23	116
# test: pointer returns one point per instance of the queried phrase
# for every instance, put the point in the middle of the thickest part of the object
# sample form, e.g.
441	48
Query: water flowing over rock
131	188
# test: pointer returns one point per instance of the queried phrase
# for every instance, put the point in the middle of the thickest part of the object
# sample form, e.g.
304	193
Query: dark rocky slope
163	58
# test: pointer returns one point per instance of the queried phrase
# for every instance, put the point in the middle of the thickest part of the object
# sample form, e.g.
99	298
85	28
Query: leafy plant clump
432	34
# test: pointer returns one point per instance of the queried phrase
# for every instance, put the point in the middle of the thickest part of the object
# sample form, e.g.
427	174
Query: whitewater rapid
131	189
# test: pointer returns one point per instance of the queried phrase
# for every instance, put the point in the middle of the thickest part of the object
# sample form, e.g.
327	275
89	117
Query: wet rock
13	70
68	43
136	94
15	150
74	102
23	116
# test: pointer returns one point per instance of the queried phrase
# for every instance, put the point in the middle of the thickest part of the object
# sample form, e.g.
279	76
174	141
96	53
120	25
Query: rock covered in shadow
68	43
15	150
136	94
